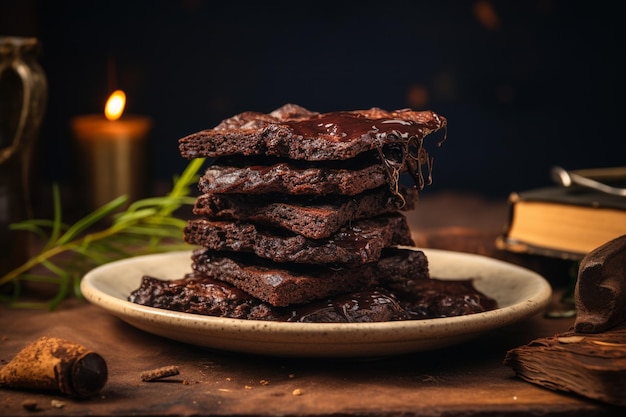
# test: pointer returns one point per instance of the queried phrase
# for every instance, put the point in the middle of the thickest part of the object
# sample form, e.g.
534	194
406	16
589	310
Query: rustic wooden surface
466	380
469	379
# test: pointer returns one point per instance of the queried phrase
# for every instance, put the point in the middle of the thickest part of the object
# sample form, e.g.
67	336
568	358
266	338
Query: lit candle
112	152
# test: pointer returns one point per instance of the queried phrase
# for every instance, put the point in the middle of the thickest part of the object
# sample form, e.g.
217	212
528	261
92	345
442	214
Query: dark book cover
575	196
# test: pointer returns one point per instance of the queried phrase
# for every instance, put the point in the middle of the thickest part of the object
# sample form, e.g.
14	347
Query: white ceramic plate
520	293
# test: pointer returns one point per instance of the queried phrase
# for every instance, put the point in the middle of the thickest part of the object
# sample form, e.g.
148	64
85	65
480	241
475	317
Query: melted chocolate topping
429	298
363	306
399	141
345	125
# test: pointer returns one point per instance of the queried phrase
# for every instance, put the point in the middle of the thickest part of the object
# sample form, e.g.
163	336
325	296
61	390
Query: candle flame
115	105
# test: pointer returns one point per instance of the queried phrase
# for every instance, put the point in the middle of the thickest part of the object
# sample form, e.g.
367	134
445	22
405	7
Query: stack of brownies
300	219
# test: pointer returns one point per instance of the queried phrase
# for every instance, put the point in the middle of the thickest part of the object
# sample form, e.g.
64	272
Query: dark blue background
542	87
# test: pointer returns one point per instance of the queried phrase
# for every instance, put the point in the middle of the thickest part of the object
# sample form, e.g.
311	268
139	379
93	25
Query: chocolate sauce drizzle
399	141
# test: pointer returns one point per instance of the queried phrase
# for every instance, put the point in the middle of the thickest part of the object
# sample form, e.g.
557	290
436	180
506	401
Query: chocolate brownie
284	177
285	284
297	133
198	294
358	242
313	218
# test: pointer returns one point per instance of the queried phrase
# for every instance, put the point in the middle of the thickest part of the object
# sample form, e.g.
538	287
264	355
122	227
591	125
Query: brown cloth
590	359
601	288
591	365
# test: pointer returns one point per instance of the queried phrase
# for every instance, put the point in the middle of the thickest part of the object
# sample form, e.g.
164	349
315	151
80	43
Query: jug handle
26	77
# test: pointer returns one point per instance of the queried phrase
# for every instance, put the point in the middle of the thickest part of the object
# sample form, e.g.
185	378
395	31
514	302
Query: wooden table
466	380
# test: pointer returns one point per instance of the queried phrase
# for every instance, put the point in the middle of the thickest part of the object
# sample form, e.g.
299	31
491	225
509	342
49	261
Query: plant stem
52	252
150	219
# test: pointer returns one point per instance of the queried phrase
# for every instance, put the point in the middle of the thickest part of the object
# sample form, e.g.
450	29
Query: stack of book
562	222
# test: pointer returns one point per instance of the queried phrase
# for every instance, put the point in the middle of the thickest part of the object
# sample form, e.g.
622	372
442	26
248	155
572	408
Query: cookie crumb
57	404
159	373
29	404
296	392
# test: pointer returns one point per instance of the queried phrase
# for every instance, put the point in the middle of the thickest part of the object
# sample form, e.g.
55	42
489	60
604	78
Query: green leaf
91	219
57	220
133	216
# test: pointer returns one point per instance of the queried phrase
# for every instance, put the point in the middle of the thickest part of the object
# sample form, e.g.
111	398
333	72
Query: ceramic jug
23	99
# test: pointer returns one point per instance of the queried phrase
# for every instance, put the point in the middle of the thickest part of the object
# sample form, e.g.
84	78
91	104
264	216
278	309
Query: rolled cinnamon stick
55	364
